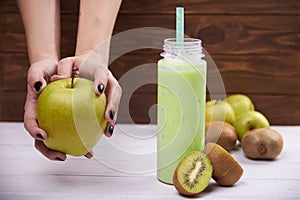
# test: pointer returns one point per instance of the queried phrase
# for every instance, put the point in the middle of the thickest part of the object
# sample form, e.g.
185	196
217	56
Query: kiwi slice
226	170
192	174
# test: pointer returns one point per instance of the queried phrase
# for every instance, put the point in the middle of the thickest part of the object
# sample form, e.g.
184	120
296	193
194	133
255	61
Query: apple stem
73	77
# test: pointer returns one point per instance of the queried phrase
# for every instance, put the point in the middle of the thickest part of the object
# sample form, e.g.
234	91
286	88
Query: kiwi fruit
192	174
262	143
226	170
221	133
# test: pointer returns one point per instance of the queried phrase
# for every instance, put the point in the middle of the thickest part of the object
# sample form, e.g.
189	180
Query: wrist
34	58
45	62
97	55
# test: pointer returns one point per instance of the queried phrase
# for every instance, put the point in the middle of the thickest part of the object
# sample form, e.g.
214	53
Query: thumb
64	68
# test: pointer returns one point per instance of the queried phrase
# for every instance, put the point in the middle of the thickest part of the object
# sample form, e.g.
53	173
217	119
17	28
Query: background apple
249	120
218	110
240	103
72	117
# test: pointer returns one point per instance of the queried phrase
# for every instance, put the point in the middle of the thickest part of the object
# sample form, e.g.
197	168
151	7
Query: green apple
248	121
72	115
218	110
240	103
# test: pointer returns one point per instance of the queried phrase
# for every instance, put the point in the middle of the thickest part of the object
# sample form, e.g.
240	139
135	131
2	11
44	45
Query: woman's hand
41	21
38	77
89	67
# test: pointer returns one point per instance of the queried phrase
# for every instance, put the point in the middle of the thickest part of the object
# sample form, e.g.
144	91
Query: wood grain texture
215	7
222	34
268	90
12	105
254	44
254	74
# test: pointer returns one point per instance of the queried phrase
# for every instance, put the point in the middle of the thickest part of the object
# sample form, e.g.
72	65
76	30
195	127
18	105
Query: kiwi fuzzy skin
262	143
205	175
226	170
221	133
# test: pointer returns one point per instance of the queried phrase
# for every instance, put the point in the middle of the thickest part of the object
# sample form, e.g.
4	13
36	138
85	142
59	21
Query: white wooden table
124	168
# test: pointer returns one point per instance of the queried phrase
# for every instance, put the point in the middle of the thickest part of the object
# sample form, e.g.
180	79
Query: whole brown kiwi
262	143
226	170
221	133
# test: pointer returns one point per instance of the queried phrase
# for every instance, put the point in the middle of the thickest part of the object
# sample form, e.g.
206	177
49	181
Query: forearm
96	23
42	27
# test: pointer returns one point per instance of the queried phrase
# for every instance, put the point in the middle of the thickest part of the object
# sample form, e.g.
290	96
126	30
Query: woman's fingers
30	116
37	75
50	154
113	95
100	80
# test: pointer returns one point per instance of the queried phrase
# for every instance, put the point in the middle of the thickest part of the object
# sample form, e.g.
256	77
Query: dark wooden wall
255	44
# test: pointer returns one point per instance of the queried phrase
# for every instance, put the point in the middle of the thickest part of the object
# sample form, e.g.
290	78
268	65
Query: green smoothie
181	112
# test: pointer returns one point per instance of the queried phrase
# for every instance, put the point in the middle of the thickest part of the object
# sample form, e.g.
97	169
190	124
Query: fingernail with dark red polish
38	85
100	88
59	159
111	115
39	136
111	129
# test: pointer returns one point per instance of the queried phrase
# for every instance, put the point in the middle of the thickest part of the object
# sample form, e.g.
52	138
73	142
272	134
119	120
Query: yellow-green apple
240	103
72	115
218	110
248	121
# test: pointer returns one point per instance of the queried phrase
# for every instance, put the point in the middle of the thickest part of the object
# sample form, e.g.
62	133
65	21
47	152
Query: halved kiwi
192	174
226	170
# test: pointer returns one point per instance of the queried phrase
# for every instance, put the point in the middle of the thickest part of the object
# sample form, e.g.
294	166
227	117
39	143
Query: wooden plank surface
221	34
279	100
255	45
239	73
26	174
279	109
214	7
